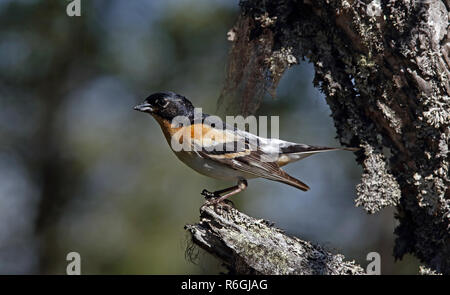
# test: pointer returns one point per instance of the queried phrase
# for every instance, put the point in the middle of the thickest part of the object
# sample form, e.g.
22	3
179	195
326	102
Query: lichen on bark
250	246
384	68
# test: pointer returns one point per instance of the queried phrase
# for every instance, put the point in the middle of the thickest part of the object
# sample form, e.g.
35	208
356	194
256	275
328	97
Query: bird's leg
216	194
242	185
215	198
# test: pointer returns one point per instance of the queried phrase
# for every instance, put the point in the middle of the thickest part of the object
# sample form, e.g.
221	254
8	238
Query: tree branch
253	246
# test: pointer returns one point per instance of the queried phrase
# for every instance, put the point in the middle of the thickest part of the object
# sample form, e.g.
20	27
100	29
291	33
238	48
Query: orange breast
198	132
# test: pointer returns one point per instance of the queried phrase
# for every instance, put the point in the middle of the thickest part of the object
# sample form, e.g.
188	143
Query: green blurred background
81	171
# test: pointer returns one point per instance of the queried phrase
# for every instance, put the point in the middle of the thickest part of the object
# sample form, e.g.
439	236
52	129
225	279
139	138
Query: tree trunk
384	68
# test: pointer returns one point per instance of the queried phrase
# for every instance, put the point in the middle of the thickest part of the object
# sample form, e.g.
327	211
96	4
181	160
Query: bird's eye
162	103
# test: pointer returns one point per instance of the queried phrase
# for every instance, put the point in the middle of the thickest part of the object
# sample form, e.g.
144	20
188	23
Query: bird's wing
242	153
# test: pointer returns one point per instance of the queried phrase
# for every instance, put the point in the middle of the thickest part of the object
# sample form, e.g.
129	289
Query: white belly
211	168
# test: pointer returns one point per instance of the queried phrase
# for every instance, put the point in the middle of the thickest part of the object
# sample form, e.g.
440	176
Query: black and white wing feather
248	157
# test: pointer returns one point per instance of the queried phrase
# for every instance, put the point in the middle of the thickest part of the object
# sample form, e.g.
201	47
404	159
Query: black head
166	105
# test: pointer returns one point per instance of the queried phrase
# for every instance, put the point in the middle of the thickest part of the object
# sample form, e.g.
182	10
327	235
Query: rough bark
253	246
384	67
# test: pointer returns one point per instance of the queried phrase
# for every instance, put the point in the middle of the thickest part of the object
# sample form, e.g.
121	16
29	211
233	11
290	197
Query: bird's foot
212	198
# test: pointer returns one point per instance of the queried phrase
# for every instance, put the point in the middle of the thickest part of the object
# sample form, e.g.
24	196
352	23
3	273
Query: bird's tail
297	151
310	149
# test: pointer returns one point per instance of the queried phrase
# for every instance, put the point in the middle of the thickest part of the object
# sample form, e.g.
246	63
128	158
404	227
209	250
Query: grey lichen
425	271
438	114
265	20
378	187
395	122
279	61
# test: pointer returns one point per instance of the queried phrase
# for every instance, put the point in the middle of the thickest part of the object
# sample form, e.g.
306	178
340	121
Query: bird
223	151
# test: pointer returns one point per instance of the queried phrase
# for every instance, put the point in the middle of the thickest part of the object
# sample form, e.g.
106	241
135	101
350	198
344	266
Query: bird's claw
212	198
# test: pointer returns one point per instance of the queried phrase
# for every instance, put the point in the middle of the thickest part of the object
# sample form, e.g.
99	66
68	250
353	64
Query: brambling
221	151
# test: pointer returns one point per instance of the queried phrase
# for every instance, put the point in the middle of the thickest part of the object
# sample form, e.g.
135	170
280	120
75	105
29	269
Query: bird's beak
144	107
